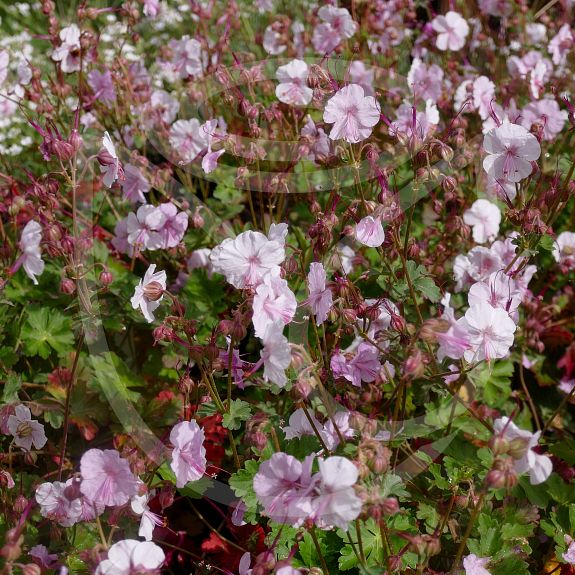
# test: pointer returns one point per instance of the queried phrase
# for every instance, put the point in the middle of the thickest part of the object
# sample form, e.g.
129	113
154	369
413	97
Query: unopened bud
153	291
67	286
106	278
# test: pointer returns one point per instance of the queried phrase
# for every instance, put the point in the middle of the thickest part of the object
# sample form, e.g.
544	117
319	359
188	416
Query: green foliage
45	330
239	411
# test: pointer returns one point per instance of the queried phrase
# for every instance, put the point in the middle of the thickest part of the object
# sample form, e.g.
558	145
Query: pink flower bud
67	286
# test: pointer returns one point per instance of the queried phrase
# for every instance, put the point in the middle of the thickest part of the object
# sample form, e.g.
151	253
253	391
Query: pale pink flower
164	105
149	520
490	332
413	124
244	566
129	557
120	240
537	466
425	82
273	301
187	57
361	75
151	8
188	138
135	184
284	486
293	88
68	53
484	217
210	161
352	114
483	94
511	149
474	565
4	61
569	555
561	44
42	557
276	354
107	478
149	292
387	311
26	431
320	297
56	505
536	32
278	233
564	249
369	232
547	114
364	366
103	86
500	8
330	434
319	141
299	425
452	30
200	259
499	291
31	258
337	503
273	41
109	162
173	227
143	227
337	25
189	454
246	259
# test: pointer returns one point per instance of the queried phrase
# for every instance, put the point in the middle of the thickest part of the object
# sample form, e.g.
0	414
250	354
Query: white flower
484	217
31	258
273	301
68	53
537	466
109	162
26	431
276	354
511	149
337	503
293	88
130	556
564	249
452	30
149	292
149	520
246	259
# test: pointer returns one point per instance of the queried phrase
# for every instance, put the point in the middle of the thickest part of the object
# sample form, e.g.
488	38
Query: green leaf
46	330
372	546
422	282
238	411
547	243
511	564
493	381
11	388
193	489
242	483
113	377
565	449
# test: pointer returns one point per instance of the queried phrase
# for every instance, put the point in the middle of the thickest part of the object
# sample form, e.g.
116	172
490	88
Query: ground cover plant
287	287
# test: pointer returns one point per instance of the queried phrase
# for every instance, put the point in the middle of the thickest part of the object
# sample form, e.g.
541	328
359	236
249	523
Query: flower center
24	429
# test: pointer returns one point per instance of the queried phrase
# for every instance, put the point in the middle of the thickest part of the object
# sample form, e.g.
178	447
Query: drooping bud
153	291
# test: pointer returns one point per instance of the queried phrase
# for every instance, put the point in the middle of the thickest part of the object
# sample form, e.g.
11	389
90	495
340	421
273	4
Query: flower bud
20	504
106	278
390	506
153	291
75	140
31	569
67	286
502	475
